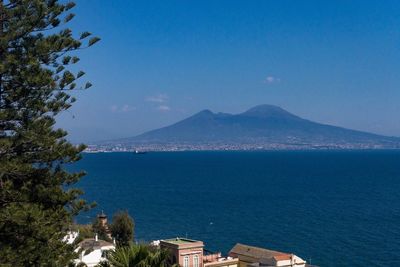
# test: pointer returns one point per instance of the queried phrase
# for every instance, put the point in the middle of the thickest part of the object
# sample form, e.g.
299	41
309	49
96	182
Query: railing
211	257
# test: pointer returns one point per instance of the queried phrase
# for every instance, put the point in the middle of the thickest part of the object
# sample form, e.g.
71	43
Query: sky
334	62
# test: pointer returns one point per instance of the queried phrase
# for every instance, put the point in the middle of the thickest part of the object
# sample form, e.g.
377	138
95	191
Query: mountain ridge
263	126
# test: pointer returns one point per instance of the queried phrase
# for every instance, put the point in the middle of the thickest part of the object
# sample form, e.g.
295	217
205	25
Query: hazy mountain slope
264	123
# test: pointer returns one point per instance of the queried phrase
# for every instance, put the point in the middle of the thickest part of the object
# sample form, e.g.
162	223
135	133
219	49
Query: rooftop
91	243
179	241
258	253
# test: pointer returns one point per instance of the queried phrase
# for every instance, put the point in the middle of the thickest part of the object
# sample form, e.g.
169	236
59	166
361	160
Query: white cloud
114	108
164	108
272	79
122	109
127	108
160	98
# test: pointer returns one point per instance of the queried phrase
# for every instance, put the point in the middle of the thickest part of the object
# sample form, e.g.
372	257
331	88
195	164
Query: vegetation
100	230
37	201
137	256
85	231
80	264
122	228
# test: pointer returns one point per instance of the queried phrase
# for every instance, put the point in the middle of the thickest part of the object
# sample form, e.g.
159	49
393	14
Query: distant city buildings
116	147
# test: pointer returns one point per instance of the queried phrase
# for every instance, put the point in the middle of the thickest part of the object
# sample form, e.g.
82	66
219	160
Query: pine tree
37	201
122	228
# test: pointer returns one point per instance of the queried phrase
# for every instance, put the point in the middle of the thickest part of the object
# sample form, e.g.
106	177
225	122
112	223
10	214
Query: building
191	253
216	260
93	251
71	237
253	256
102	217
185	252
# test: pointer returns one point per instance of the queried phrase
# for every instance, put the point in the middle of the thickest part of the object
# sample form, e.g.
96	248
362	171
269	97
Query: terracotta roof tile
258	253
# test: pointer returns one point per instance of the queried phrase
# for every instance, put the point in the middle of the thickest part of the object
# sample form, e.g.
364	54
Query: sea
331	208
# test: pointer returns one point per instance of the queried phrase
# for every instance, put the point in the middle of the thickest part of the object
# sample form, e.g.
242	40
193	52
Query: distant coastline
264	127
182	148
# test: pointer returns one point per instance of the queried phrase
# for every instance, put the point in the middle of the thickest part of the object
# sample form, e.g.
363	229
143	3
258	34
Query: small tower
102	217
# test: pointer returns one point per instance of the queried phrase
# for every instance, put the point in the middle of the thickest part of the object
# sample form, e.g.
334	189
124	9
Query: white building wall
294	262
94	257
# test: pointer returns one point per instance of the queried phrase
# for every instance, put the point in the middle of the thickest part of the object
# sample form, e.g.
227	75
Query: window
196	261
186	261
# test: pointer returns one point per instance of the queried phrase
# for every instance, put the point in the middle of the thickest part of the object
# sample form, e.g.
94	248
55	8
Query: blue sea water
333	208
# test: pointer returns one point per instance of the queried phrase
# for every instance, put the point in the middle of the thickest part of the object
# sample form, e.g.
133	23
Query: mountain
263	126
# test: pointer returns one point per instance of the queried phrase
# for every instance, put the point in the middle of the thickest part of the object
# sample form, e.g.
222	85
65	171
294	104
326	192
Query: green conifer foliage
37	202
122	228
101	231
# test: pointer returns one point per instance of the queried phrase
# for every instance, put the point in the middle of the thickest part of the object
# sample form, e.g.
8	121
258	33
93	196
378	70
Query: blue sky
334	62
